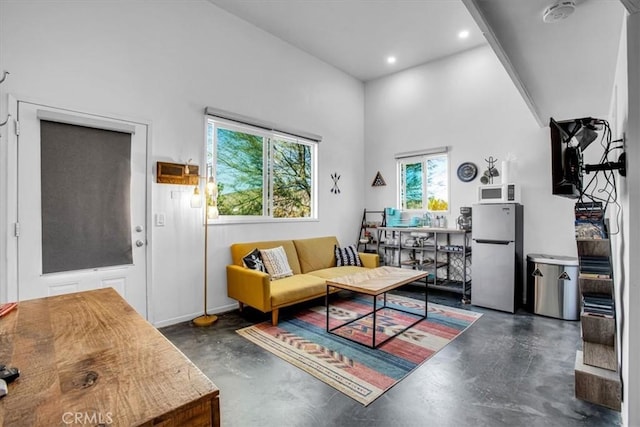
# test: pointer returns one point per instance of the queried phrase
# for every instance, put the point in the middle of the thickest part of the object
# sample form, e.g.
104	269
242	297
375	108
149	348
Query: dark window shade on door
86	182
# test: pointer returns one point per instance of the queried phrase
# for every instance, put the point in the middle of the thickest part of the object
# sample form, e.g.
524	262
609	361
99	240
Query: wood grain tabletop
89	358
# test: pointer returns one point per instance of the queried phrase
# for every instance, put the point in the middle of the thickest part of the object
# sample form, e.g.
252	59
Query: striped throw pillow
276	262
347	256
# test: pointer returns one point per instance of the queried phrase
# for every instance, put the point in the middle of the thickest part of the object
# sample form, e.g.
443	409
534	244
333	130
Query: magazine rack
597	373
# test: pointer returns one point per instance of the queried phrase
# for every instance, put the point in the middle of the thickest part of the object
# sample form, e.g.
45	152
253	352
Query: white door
36	279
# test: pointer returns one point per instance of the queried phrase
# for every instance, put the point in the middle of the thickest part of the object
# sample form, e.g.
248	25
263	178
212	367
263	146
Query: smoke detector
558	11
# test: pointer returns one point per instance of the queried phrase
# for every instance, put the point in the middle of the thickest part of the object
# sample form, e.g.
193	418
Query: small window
261	175
424	182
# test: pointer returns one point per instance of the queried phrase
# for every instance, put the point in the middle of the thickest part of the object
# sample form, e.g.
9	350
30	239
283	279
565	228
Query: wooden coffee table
376	282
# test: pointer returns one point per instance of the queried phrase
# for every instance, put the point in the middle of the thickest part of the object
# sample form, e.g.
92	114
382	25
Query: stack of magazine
590	225
598	305
595	267
589	221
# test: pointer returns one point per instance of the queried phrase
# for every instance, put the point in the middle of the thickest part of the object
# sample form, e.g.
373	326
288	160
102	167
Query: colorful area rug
361	373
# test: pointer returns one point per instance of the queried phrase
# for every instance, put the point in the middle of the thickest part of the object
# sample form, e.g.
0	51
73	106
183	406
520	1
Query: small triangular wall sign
378	181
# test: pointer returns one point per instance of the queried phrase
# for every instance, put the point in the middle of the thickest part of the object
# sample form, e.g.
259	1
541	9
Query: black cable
609	187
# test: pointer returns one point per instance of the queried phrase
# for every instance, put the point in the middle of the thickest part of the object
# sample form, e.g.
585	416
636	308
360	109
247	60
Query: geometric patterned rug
362	373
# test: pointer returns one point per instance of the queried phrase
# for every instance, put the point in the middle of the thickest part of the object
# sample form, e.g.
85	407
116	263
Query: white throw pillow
276	262
347	256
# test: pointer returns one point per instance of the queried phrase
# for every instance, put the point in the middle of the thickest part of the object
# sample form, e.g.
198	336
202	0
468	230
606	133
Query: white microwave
499	193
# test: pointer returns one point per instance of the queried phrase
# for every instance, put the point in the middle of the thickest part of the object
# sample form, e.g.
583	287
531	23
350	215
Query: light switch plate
160	219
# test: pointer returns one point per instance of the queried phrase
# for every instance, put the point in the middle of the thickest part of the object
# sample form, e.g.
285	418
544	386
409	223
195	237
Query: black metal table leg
373	344
326	303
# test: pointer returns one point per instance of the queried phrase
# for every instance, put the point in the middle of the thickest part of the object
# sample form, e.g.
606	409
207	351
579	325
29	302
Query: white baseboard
189	317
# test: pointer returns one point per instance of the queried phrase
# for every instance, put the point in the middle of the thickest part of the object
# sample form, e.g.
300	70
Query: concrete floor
506	370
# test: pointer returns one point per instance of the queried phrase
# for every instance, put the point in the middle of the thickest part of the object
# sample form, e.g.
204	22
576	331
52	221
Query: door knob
139	228
139	243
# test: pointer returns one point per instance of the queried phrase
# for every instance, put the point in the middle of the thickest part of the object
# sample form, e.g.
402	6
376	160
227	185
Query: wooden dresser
89	359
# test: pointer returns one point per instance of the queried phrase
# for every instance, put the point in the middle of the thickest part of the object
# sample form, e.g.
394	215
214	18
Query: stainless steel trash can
552	286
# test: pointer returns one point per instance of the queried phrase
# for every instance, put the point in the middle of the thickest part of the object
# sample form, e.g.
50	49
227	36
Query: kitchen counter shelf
431	248
466	251
450	285
423	264
418	247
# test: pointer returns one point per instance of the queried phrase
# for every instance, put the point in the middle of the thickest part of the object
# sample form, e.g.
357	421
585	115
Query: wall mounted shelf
176	173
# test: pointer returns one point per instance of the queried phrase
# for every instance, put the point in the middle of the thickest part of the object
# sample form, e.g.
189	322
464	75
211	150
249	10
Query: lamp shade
196	199
212	212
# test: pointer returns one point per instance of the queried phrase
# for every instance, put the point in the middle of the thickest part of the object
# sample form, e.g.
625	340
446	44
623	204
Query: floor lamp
210	212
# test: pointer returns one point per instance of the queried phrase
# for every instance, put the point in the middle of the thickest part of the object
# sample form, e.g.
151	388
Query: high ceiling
357	36
563	70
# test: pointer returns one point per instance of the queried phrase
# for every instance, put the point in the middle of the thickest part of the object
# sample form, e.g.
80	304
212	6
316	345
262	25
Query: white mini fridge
497	256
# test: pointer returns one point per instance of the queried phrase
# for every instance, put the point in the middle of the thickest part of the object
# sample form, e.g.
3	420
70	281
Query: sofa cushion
239	250
296	288
347	256
316	253
276	263
253	260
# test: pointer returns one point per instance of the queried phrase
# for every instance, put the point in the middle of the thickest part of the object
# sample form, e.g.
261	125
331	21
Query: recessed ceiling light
391	60
463	34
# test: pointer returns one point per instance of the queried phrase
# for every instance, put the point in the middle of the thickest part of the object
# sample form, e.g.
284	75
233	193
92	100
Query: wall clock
467	172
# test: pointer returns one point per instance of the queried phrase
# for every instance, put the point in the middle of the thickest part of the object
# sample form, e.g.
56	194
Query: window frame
210	156
422	158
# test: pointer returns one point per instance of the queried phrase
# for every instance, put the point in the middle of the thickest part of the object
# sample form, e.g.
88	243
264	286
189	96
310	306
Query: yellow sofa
312	261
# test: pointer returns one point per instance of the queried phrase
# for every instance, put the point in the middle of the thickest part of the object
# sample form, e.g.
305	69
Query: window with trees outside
424	182
261	175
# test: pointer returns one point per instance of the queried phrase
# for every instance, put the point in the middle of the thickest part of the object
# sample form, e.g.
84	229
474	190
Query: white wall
626	122
626	108
163	62
467	102
621	243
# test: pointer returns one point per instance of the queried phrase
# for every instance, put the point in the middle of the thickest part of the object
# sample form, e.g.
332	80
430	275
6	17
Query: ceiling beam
476	13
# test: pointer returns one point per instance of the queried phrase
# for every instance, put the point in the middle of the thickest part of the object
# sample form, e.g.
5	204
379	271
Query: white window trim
422	156
219	114
264	218
421	153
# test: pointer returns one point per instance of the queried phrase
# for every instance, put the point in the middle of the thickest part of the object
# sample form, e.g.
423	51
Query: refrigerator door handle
492	242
